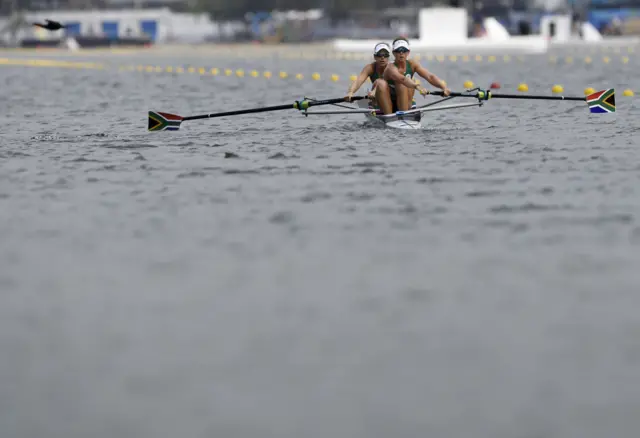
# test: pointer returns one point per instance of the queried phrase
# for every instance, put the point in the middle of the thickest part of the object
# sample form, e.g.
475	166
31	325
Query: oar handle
486	95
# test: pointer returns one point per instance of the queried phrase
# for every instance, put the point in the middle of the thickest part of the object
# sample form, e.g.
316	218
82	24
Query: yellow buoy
465	58
215	71
191	70
557	89
625	59
453	58
523	87
149	69
627	93
568	60
228	72
240	73
588	60
353	77
179	70
491	58
478	58
169	69
299	76
606	60
254	73
267	74
283	75
315	76
335	78
506	58
588	91
467	84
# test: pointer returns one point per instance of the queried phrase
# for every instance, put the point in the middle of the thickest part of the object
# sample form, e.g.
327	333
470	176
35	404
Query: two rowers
392	84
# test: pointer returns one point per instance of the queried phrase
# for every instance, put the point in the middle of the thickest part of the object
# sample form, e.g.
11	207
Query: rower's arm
362	77
391	73
430	77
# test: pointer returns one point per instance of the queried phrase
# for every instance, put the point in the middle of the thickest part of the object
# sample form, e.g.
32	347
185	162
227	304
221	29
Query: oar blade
603	101
159	121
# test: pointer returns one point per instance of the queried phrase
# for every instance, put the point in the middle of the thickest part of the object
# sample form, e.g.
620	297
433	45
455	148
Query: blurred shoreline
171	49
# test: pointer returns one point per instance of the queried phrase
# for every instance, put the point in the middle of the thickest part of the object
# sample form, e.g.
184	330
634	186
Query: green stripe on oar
160	121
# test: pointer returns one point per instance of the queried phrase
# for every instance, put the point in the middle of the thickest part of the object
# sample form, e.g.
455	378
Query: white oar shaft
353	111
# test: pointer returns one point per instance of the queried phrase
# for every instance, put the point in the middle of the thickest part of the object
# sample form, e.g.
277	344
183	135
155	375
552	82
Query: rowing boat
410	120
397	120
599	102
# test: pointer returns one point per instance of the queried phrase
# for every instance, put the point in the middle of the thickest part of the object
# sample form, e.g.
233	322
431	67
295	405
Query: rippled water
274	275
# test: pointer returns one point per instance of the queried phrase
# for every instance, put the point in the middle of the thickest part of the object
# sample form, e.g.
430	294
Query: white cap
381	46
400	43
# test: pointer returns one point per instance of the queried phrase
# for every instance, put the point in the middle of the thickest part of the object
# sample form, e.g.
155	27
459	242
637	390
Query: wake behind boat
599	102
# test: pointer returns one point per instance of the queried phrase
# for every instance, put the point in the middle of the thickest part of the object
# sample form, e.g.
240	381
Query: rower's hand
371	94
446	91
349	96
423	91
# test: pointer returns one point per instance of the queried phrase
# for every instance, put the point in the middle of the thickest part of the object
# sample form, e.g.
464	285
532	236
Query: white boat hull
409	121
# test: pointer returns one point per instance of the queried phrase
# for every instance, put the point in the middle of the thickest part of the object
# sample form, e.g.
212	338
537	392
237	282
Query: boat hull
409	121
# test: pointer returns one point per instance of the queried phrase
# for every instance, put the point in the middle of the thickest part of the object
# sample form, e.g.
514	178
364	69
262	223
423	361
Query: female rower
380	92
399	76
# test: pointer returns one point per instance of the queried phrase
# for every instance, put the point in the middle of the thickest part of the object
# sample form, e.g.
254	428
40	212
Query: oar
599	102
160	121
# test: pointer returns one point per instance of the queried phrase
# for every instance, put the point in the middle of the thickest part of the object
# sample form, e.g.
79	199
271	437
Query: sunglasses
381	55
401	50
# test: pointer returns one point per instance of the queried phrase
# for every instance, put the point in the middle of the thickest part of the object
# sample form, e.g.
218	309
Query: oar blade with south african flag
599	102
159	121
602	101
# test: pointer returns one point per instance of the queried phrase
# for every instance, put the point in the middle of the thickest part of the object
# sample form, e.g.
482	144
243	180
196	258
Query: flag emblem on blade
164	121
602	102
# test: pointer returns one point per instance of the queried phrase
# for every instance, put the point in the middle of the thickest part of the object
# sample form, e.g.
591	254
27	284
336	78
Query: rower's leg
403	97
383	96
412	93
372	96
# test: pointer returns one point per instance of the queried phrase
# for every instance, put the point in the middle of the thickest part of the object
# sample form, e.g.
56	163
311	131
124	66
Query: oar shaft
238	112
301	105
510	96
516	96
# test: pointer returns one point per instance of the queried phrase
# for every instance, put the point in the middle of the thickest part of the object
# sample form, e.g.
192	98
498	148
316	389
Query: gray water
273	275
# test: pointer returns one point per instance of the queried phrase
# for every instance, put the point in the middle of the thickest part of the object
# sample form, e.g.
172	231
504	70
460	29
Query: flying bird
50	25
